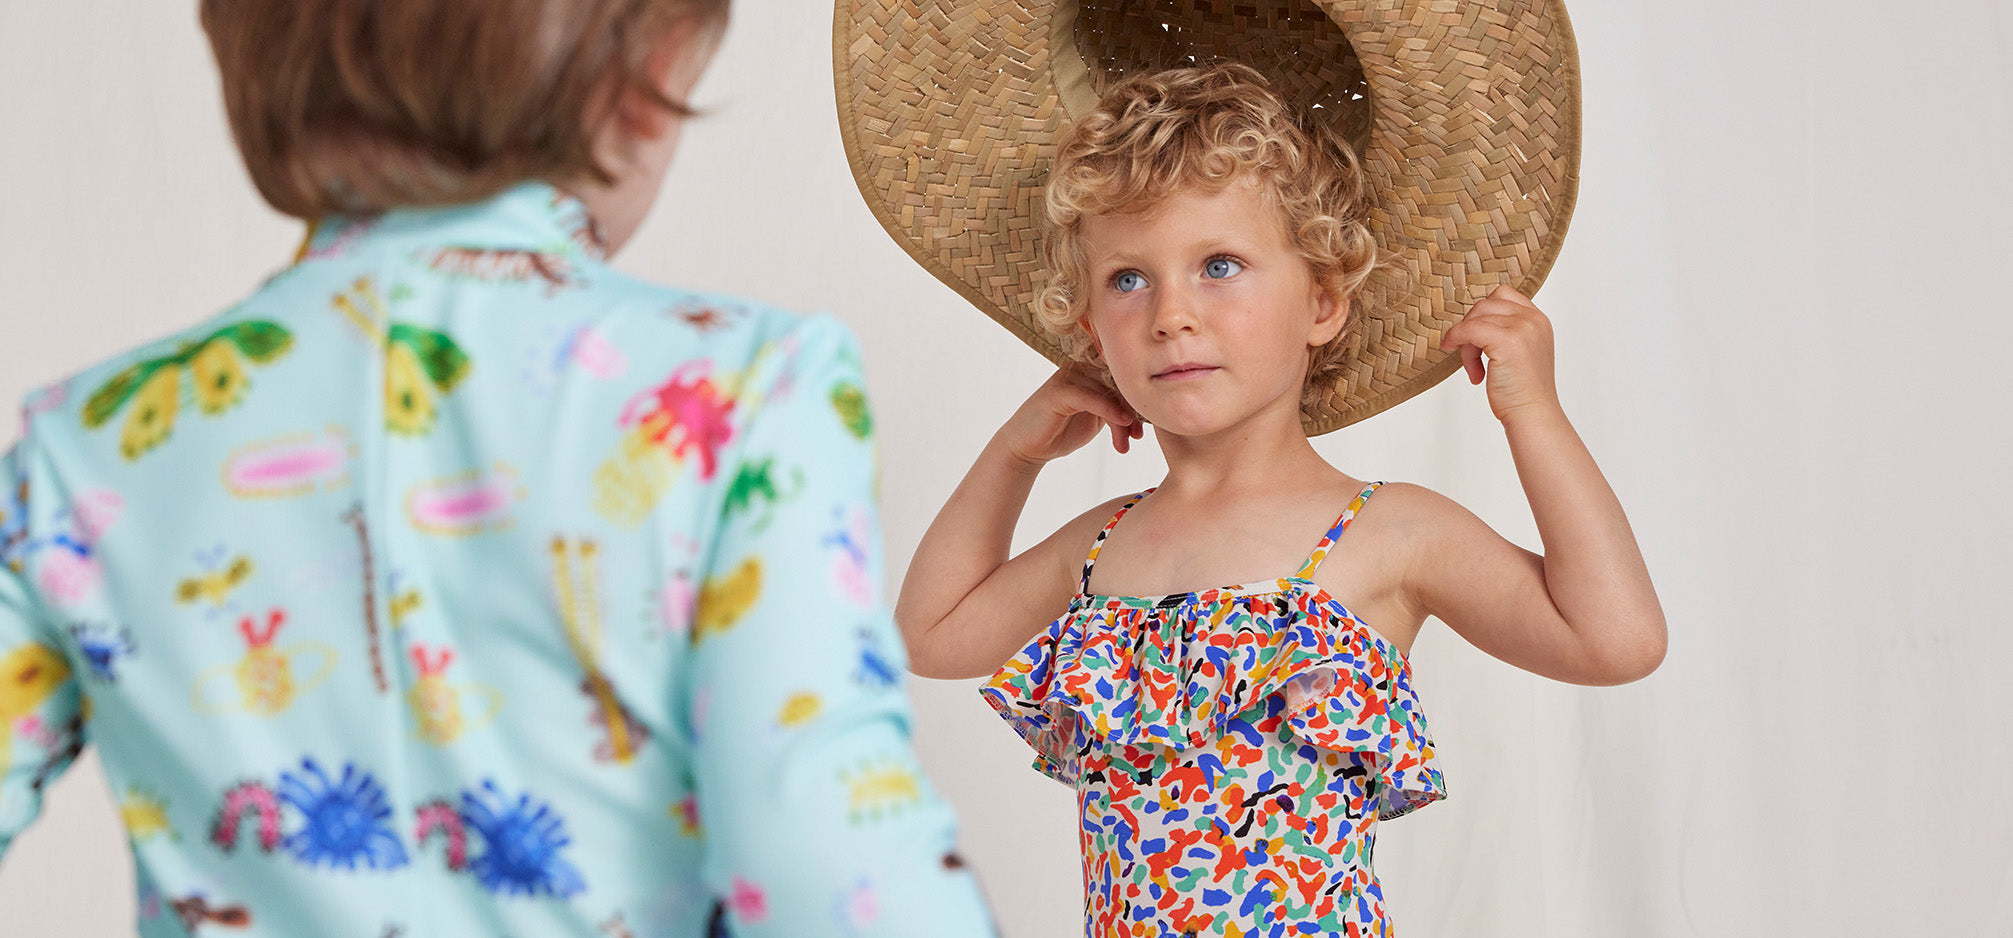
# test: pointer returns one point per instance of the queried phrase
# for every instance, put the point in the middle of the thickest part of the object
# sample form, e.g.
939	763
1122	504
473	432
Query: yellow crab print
154	386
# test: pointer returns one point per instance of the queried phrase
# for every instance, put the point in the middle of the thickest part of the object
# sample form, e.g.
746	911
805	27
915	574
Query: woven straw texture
1466	115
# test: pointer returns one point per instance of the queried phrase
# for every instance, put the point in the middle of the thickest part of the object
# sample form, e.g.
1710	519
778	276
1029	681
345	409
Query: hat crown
1295	44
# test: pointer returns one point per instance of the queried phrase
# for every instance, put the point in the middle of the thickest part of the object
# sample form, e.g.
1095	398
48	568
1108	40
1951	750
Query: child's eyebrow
1206	246
1117	258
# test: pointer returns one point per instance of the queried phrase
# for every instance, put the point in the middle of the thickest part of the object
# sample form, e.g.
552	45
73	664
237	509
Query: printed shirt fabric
1232	751
457	584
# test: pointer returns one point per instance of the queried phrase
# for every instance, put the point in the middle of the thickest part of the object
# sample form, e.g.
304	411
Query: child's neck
1256	457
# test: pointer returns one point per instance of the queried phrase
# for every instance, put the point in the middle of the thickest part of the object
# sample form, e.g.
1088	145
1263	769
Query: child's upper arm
38	687
1489	591
1011	606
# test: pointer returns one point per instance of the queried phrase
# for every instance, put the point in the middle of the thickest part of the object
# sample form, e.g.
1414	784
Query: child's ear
1330	315
642	113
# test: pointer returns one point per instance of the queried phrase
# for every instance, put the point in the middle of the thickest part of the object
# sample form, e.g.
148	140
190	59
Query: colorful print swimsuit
1232	751
455	583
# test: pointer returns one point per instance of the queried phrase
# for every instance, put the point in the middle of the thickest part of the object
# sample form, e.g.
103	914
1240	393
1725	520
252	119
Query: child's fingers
1079	399
1505	291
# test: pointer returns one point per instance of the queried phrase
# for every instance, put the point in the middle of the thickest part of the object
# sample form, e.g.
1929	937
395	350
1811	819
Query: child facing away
454	583
1232	747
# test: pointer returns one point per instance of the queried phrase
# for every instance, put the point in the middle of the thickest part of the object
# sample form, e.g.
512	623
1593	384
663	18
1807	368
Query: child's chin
1188	422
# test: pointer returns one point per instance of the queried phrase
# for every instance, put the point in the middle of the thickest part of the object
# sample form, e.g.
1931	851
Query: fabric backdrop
1780	316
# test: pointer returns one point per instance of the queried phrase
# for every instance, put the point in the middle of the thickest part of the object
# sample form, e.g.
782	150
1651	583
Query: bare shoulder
1429	531
1384	566
1068	546
1411	509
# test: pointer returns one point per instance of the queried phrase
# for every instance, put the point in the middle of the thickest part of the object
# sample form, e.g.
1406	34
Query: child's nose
1174	311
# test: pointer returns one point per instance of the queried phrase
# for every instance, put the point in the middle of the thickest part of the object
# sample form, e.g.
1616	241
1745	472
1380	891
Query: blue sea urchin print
521	844
346	819
102	646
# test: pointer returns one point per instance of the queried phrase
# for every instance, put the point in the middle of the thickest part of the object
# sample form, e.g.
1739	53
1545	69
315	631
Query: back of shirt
456	584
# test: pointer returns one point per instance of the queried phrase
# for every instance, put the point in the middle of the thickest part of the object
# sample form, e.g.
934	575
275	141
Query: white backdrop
1780	316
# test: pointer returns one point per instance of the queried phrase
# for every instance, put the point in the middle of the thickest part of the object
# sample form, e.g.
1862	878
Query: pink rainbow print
440	816
254	797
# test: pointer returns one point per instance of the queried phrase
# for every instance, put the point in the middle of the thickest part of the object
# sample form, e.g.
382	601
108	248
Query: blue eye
1221	267
1128	281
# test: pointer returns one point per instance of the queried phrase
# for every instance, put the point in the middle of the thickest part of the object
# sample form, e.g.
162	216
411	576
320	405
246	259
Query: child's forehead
1245	202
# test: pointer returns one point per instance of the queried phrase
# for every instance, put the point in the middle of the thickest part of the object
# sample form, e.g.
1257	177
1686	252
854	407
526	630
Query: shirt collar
531	217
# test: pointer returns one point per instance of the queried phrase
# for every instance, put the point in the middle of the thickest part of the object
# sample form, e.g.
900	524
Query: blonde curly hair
1152	134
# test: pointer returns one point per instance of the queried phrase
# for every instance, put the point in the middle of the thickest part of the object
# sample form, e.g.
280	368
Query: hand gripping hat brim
1466	116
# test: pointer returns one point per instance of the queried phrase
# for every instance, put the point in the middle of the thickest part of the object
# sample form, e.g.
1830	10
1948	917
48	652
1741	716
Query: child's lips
1186	371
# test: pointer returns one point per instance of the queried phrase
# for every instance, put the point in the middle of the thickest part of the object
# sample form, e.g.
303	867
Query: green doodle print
218	377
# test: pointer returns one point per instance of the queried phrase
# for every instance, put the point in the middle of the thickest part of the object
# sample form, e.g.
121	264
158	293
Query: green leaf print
851	403
105	402
755	490
443	361
260	340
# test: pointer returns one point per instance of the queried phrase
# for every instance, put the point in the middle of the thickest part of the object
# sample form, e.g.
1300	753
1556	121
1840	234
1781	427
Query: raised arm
1585	611
965	607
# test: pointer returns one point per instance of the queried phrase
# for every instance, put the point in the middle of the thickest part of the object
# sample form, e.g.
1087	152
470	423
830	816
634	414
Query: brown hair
1154	133
361	105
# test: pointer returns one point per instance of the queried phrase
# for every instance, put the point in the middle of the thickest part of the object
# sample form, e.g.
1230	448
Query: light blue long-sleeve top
455	584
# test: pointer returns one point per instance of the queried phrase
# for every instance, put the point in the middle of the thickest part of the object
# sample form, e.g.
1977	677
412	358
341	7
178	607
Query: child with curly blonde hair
1232	747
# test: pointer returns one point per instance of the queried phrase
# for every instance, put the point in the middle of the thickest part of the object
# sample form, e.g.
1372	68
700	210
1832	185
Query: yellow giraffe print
580	613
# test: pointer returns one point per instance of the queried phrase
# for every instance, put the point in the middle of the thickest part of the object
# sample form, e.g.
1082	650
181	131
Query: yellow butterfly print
146	816
403	605
154	386
214	587
876	791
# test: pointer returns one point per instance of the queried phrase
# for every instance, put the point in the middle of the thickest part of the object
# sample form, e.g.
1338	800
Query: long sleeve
816	817
41	725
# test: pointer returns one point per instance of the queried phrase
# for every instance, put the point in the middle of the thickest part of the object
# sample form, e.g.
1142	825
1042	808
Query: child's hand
1517	340
1063	414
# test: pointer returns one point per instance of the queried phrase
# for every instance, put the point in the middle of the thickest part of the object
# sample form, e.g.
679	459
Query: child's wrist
1018	463
1534	415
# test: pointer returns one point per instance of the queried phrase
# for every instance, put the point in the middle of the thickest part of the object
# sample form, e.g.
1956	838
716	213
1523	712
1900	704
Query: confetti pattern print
1232	750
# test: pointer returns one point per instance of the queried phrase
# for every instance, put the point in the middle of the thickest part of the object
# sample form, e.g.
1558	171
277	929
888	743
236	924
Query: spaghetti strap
1083	585
1320	553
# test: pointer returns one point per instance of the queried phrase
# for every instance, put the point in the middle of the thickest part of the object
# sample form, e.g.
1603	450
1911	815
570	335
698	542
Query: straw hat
1466	114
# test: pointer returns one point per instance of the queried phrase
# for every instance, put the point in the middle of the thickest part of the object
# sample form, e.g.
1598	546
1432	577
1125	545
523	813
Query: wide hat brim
1466	116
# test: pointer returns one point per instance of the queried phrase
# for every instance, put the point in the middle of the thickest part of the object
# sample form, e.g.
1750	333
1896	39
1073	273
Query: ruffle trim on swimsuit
1173	671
